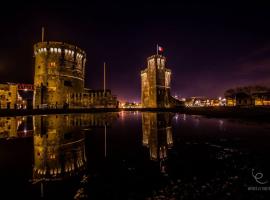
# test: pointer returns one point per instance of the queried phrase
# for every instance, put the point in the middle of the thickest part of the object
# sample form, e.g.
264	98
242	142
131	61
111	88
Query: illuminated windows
52	64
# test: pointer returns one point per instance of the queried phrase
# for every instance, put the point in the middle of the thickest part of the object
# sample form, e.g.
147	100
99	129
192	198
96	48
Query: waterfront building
16	96
60	76
8	96
254	99
156	84
93	98
262	98
204	102
230	101
248	96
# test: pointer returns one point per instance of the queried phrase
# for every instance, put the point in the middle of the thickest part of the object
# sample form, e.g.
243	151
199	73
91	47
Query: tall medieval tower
59	71
155	83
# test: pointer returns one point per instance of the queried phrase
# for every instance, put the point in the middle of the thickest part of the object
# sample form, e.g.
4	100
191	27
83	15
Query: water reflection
206	155
13	127
59	148
59	145
157	136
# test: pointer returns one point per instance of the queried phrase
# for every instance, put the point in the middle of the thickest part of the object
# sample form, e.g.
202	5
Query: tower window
68	83
52	64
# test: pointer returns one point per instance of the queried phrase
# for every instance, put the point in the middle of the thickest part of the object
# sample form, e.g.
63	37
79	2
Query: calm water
132	155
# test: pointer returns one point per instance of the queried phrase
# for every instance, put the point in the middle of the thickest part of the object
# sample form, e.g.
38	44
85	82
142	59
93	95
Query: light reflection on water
150	155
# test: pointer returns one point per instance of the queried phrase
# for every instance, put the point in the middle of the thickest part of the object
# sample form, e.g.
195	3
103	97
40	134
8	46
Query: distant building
156	84
60	76
248	96
93	98
8	96
196	102
244	99
230	101
261	98
16	96
26	92
204	102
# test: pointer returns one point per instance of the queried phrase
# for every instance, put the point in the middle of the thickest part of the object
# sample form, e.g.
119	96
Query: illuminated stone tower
155	83
59	71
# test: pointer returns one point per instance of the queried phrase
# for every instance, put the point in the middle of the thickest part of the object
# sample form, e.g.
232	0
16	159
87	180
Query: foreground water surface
133	155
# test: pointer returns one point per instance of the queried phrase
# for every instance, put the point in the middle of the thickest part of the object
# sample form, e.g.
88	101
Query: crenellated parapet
59	71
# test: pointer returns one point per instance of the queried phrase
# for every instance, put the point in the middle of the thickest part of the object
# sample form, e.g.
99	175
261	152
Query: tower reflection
59	145
157	135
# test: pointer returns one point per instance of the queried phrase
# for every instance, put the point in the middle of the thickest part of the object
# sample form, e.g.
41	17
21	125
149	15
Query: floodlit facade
16	96
204	102
59	71
60	76
8	96
156	84
260	98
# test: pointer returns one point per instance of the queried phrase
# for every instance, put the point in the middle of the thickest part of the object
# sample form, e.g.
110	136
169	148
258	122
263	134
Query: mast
105	140
104	78
42	34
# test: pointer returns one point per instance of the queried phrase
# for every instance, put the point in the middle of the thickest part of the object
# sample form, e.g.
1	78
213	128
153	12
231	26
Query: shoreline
217	112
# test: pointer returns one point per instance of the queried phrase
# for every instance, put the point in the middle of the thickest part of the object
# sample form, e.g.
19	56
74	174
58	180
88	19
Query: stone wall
59	71
155	81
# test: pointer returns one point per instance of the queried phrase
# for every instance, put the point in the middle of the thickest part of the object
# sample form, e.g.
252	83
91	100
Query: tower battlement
59	71
156	84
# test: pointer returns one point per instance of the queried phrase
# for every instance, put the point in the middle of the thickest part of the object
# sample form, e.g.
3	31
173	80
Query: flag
160	48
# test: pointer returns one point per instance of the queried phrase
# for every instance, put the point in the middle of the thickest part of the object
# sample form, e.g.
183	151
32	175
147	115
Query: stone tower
59	71
155	83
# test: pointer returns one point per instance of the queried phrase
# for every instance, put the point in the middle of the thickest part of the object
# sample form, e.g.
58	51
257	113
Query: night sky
209	47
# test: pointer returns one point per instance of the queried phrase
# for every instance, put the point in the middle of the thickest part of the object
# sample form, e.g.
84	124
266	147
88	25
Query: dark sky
209	47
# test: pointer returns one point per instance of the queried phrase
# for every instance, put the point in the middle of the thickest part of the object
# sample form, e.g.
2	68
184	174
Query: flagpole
104	78
42	34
